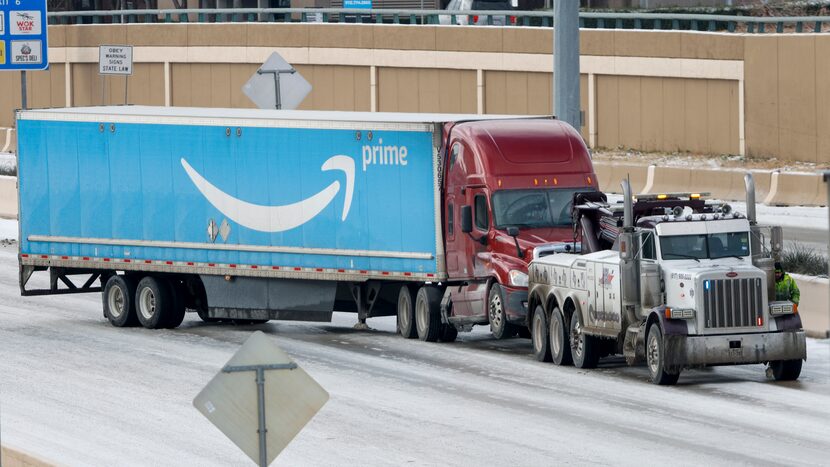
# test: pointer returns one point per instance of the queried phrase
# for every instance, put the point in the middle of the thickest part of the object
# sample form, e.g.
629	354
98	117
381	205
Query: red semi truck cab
508	186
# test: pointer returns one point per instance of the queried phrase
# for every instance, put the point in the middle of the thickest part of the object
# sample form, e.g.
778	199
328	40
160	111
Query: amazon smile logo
278	218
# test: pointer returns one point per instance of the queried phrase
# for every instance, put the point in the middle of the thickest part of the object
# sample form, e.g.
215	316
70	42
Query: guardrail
590	20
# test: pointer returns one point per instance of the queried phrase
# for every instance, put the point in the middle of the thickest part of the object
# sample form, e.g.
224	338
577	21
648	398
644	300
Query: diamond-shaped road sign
276	85
289	399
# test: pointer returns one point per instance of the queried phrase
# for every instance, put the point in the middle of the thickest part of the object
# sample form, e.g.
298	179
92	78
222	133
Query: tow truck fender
669	327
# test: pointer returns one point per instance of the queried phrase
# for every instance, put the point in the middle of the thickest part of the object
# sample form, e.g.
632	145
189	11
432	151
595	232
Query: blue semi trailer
251	215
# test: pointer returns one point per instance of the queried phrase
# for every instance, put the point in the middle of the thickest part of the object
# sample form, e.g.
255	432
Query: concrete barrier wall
653	90
8	197
609	176
814	307
15	458
799	189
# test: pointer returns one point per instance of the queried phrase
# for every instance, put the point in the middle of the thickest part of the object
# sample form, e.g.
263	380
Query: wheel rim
496	311
538	337
116	302
653	353
147	303
421	317
555	335
404	312
577	341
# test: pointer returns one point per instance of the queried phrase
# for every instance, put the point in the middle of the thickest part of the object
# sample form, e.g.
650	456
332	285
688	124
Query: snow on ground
78	391
8	229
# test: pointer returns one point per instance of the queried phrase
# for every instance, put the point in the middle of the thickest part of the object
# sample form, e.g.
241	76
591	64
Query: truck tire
497	314
448	333
428	313
153	302
539	335
786	370
176	316
119	301
656	358
560	346
406	313
583	347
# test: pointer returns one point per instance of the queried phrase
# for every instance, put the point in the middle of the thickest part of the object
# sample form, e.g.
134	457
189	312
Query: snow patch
8	229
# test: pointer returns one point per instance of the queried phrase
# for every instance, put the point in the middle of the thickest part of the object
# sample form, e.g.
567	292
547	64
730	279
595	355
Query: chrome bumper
687	351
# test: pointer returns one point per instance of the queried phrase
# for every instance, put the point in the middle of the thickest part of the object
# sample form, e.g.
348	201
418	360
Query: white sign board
292	398
276	75
115	60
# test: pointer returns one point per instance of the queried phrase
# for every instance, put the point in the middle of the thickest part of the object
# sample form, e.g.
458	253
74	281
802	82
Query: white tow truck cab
670	279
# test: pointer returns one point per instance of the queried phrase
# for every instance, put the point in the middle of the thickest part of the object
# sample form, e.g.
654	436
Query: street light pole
566	62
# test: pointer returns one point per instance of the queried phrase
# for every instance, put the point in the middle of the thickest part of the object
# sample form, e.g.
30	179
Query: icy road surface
77	391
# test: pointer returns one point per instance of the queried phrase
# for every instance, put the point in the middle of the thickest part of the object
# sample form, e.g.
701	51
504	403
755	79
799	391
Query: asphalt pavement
75	390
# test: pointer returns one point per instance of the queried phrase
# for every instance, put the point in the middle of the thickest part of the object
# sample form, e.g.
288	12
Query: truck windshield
711	246
534	208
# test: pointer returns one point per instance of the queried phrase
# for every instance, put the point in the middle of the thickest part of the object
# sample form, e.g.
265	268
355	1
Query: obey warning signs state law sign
115	60
23	35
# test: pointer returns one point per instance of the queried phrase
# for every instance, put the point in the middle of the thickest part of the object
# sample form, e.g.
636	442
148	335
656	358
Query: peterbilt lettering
671	280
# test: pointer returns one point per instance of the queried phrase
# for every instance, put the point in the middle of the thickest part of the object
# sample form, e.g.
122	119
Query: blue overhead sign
23	35
367	4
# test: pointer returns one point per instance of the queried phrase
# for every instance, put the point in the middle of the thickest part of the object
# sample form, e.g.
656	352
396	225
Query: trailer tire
448	333
119	301
406	313
176	316
786	370
428	313
497	315
583	347
539	335
153	302
560	347
656	358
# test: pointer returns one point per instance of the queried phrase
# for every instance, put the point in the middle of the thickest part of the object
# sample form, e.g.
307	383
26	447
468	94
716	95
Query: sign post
261	399
276	85
23	39
116	60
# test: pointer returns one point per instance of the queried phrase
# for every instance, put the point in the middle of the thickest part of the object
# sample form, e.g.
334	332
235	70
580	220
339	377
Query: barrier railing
590	20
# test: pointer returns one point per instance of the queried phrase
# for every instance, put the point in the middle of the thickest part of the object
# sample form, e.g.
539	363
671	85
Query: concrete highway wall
756	95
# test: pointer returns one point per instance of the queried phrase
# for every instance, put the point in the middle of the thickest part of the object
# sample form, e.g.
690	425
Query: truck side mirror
466	218
513	231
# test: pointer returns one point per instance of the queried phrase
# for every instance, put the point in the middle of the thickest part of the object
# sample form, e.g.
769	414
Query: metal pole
263	430
827	181
277	82
566	62
126	88
23	100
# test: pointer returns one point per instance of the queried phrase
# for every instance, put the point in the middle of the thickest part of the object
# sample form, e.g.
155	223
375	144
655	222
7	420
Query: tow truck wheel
153	302
786	370
656	358
119	301
497	315
560	349
539	335
427	313
583	347
406	313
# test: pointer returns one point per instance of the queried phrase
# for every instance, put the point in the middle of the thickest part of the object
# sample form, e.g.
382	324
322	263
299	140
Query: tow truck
670	279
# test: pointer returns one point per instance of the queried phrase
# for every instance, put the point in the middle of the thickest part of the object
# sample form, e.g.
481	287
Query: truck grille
732	303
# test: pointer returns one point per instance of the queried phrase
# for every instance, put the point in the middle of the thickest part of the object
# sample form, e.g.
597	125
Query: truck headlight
781	308
518	278
680	313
